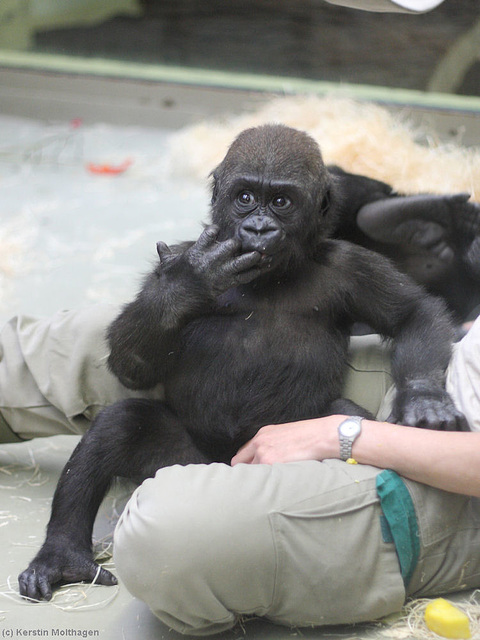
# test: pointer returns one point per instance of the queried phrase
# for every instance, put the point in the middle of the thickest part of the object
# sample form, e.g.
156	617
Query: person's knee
154	556
186	548
177	519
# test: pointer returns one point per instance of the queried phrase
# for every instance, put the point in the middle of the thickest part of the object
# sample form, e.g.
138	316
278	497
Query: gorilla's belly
235	378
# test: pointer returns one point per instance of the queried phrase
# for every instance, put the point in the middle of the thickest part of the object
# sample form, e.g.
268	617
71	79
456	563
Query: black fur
435	239
247	326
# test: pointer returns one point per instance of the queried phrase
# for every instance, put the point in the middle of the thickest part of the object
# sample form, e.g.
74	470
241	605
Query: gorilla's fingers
443	251
104	577
246	261
37	580
34	588
207	249
427	408
207	238
237	270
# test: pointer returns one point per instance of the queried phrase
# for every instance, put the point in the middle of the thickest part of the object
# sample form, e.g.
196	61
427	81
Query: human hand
315	439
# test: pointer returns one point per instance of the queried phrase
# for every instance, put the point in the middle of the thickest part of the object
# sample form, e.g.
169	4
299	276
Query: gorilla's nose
259	233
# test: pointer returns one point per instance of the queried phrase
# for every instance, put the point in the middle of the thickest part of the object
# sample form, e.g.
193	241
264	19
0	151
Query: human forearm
444	459
447	460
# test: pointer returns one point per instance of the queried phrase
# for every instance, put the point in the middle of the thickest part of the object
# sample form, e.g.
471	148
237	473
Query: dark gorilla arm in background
435	239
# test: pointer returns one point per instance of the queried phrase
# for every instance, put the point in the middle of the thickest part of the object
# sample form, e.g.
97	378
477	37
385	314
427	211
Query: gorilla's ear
163	251
326	202
331	196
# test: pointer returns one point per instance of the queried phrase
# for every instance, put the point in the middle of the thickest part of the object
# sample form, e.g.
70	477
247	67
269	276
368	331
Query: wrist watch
348	431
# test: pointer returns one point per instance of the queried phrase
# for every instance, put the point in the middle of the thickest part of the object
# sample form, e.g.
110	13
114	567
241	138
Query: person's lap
296	543
291	542
300	544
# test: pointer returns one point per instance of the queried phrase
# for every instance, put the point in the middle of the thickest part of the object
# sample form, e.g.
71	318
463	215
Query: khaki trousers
53	373
300	544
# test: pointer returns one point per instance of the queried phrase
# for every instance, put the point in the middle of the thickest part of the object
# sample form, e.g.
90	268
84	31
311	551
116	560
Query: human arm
444	459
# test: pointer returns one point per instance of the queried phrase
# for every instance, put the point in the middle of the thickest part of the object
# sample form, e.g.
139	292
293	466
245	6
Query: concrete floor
73	238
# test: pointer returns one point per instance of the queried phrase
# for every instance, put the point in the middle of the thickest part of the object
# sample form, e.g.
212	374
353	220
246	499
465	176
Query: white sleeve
463	376
395	6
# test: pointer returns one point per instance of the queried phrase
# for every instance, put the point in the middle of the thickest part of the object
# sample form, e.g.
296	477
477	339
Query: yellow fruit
446	620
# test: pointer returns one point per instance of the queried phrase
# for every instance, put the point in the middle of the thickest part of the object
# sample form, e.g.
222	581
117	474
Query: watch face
350	428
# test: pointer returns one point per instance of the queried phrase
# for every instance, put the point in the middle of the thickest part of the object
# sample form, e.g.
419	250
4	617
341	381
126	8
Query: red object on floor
109	169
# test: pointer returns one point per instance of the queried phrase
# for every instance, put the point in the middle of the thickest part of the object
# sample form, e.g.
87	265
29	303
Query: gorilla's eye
246	198
281	202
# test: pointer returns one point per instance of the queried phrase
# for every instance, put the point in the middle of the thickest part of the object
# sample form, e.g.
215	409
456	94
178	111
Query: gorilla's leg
132	439
443	224
349	408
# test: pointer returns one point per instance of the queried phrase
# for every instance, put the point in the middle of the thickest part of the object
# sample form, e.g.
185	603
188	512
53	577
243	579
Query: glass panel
310	39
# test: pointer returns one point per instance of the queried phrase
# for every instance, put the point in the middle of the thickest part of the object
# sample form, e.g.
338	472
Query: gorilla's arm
354	191
435	239
368	209
421	331
425	221
184	285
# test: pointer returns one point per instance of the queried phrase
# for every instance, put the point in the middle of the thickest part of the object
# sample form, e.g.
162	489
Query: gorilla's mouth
267	247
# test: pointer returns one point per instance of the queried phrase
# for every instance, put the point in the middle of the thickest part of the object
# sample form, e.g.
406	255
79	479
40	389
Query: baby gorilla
247	326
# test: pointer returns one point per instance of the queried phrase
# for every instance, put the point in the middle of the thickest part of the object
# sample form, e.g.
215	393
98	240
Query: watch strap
346	442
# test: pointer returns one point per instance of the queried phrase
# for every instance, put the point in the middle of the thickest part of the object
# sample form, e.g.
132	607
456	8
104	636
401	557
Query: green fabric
397	506
386	531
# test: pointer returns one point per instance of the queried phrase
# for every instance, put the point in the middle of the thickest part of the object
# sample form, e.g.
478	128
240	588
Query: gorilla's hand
427	406
218	265
55	564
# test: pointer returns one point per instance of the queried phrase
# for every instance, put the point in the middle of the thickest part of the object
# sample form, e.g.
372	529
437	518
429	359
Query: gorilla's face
271	192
